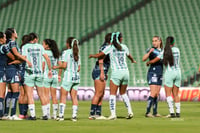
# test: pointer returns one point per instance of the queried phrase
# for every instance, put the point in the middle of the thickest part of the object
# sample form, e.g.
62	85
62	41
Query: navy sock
149	104
93	109
7	103
98	110
1	107
155	105
14	103
21	109
25	109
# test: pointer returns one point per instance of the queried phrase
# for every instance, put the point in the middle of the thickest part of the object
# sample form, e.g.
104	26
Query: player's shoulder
175	48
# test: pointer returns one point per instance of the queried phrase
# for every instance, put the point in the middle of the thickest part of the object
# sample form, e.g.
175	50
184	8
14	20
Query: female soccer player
120	72
154	76
12	72
99	75
172	76
34	75
4	54
51	84
71	63
23	100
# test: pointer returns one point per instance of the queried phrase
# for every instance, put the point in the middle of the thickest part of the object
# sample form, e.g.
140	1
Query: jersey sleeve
161	55
5	49
126	50
107	50
24	51
79	60
13	44
66	56
147	50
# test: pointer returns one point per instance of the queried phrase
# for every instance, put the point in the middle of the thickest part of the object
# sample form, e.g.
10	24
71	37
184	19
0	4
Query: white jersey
117	58
176	56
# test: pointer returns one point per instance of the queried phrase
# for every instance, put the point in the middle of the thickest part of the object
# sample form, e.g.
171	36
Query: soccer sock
155	105
55	109
48	110
93	109
112	102
32	109
170	104
74	111
127	103
149	104
98	110
178	107
14	103
7	103
61	109
44	110
21	109
1	107
25	109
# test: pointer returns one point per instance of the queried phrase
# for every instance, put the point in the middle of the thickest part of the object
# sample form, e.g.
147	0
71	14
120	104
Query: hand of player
29	64
102	77
148	63
50	74
91	56
59	78
134	61
54	67
151	50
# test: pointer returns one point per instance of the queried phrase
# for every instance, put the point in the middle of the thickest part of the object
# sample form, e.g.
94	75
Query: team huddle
41	66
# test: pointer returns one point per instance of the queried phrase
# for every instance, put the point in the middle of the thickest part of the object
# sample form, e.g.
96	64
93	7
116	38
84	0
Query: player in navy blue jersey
99	75
4	54
23	100
12	72
154	76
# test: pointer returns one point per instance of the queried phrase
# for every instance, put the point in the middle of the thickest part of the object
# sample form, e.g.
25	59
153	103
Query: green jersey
176	56
34	53
71	73
117	57
53	63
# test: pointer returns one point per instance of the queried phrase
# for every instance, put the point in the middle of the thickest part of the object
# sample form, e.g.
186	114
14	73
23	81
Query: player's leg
2	95
73	94
54	101
155	102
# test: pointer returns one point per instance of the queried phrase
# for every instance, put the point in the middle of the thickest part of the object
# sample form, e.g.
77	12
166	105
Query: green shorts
172	78
70	85
51	82
120	77
32	80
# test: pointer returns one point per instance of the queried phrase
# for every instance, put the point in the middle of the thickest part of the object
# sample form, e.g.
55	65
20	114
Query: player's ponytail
168	55
53	47
115	40
1	35
161	44
108	38
75	49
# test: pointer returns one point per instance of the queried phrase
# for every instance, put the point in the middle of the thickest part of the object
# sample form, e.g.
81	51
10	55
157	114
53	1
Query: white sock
32	109
74	110
48	110
44	110
178	107
61	109
55	109
127	103
112	102
170	104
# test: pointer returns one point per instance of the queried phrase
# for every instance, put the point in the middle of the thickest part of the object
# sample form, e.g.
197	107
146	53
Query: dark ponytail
168	55
69	41
53	47
25	39
75	50
108	38
116	42
1	35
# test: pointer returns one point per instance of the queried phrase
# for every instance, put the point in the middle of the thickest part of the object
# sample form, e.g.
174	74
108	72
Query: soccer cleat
157	115
45	117
130	116
31	118
54	117
112	117
100	117
178	115
149	115
60	118
14	117
5	117
22	116
74	119
92	117
172	115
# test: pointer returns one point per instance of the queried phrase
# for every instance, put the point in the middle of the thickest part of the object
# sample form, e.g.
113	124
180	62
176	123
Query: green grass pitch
188	123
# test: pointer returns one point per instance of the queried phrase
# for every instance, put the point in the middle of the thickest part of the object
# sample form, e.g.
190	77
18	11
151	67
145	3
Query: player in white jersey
51	84
71	80
120	73
172	76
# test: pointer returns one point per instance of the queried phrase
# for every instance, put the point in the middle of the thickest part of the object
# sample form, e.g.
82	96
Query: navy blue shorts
154	78
2	75
96	74
12	75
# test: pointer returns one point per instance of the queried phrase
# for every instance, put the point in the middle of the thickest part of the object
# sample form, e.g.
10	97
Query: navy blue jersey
11	44
158	66
3	54
106	61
